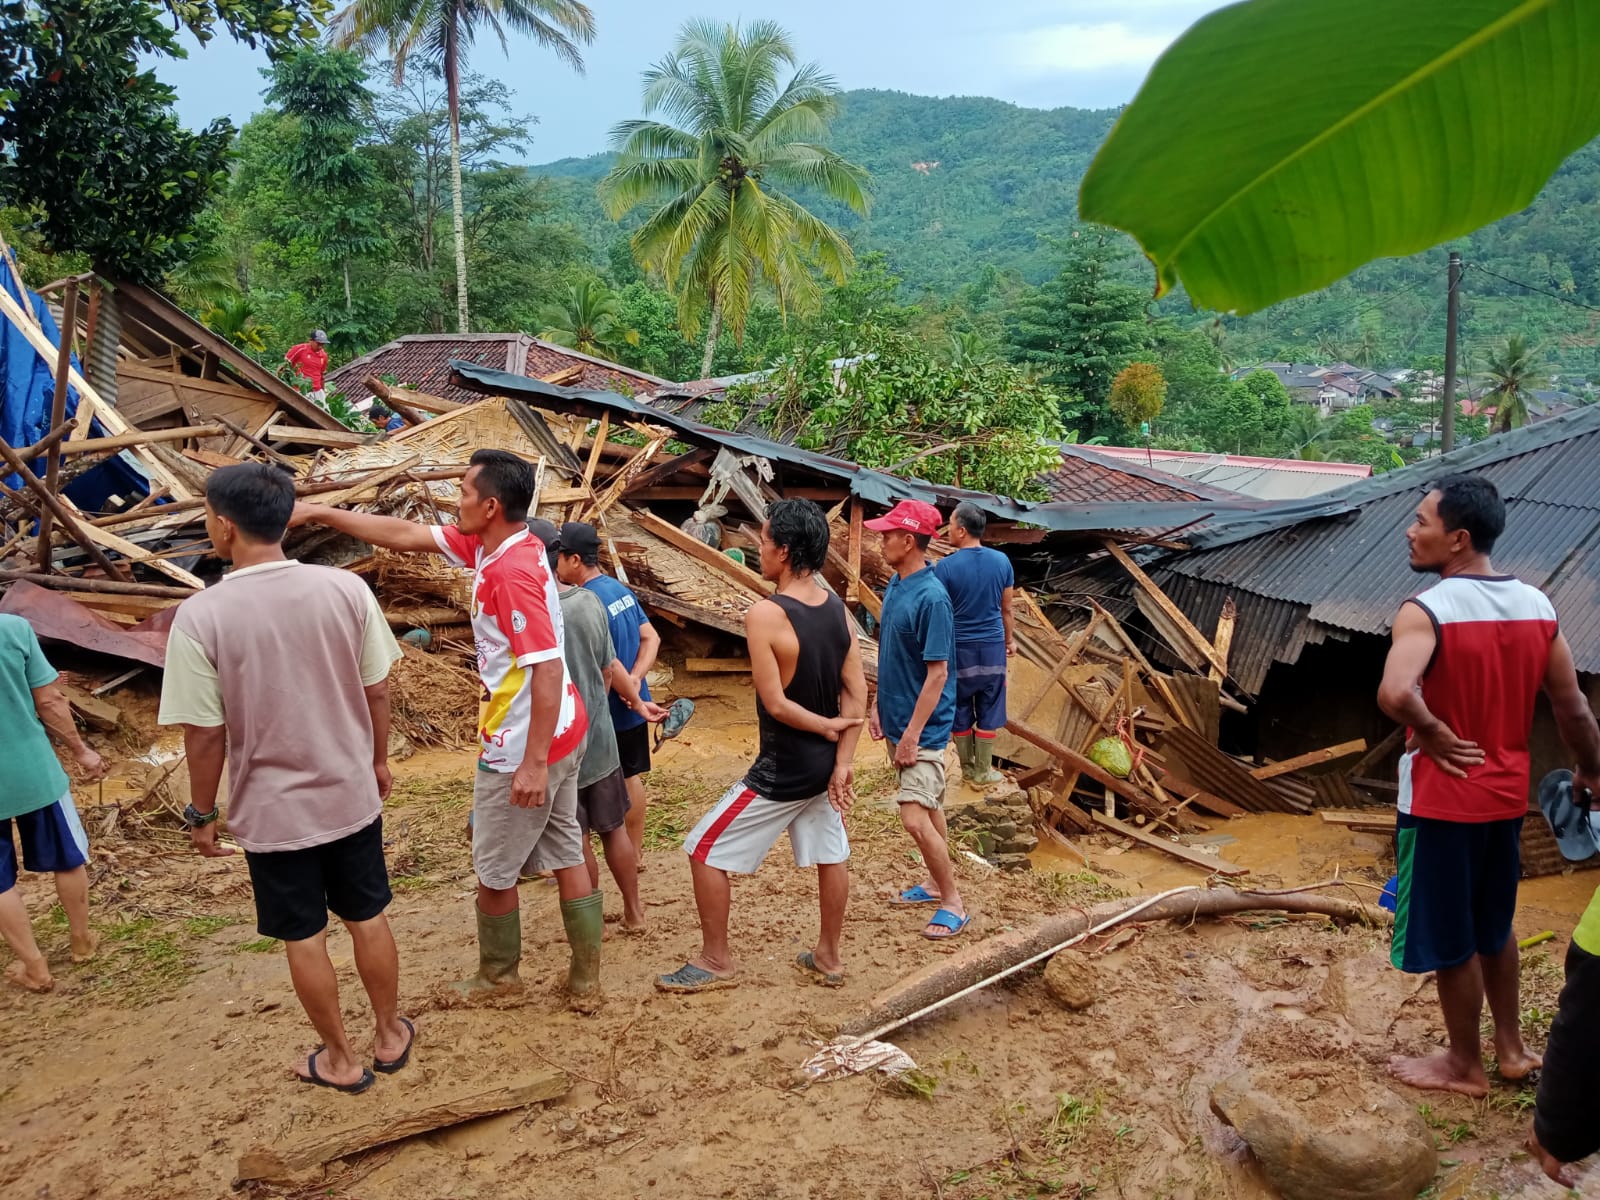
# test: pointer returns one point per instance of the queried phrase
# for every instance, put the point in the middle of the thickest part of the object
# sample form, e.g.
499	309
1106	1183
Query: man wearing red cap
916	702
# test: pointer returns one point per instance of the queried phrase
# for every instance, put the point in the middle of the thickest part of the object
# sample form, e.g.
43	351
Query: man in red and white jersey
1469	658
531	722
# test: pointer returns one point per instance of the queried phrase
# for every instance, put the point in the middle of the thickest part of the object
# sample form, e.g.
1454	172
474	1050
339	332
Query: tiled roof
1086	476
422	361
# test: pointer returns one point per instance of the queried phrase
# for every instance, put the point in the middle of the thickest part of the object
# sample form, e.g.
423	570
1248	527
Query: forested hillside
971	192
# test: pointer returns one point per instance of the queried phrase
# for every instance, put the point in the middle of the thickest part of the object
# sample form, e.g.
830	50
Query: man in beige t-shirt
282	669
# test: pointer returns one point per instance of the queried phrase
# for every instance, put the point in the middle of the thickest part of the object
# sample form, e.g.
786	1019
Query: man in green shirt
35	793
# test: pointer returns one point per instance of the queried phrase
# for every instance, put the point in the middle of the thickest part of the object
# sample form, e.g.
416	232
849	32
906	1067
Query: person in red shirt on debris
310	359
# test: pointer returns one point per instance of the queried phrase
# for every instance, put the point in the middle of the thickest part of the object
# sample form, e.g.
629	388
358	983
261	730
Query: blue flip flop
916	895
945	919
689	978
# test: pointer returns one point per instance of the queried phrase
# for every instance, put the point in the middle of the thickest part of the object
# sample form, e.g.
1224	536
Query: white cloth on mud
839	1060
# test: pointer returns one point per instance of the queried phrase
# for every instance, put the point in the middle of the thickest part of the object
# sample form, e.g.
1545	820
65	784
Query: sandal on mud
690	978
316	1080
806	963
915	895
395	1064
946	920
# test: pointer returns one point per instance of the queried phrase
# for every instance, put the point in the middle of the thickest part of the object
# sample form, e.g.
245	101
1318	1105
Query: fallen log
283	1161
983	963
113	587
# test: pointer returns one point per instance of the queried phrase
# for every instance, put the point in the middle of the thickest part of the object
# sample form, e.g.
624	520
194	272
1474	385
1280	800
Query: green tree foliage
1081	328
894	405
588	320
337	205
442	31
712	174
1138	394
1511	372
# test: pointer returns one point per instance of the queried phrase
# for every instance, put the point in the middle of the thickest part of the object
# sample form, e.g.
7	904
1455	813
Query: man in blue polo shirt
636	642
916	702
980	582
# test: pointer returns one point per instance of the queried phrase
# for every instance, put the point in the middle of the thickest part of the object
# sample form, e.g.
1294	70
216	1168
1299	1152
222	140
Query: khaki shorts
923	781
509	842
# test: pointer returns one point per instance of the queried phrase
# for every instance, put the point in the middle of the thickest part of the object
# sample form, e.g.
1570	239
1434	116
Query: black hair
801	528
923	540
547	533
258	498
378	410
504	477
971	518
1472	503
589	558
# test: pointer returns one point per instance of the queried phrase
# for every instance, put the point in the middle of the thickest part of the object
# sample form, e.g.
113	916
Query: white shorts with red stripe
736	835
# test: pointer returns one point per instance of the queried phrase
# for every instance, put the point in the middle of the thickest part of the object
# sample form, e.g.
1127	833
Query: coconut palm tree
443	30
588	320
1511	372
735	134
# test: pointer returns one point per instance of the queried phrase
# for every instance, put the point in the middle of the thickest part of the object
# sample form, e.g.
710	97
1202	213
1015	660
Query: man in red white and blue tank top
1469	657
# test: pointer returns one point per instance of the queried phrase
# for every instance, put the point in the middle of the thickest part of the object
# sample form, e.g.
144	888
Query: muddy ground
147	1073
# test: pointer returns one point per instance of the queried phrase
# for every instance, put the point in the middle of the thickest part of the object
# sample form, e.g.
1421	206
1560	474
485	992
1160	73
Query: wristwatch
194	818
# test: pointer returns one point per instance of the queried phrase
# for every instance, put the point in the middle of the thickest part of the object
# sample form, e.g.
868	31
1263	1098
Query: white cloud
1080	47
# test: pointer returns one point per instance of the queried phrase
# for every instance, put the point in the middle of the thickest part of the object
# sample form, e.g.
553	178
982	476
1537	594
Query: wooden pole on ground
112	587
58	412
53	504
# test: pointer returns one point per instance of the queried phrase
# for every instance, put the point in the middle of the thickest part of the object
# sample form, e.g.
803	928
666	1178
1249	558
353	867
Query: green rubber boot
983	772
585	922
965	749
499	952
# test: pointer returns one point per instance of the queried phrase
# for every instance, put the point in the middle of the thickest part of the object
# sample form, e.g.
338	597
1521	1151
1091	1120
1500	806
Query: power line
1528	287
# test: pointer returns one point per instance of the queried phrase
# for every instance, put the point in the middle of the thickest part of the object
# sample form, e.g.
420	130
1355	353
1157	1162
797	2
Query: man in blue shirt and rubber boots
916	702
980	582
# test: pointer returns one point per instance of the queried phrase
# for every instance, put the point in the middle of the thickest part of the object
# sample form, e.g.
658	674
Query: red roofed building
421	361
1085	477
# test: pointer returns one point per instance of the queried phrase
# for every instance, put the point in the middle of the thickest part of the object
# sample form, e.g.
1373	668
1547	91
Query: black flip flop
316	1080
393	1065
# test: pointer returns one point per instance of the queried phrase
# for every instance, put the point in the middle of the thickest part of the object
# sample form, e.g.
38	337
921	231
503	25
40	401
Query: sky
1037	53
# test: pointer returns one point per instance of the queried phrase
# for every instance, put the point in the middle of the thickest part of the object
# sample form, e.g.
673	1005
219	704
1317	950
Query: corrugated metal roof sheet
1351	572
1086	475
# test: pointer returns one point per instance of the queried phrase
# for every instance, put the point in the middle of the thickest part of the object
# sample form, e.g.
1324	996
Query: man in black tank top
811	701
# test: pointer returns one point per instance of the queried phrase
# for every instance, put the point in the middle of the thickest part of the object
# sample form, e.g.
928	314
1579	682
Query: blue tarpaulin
27	388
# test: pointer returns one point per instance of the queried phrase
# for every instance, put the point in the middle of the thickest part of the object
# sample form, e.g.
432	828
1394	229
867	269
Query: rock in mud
1322	1133
1070	979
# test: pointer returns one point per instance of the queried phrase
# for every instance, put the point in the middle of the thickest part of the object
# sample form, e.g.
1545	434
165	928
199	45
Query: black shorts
296	889
1457	892
633	748
603	805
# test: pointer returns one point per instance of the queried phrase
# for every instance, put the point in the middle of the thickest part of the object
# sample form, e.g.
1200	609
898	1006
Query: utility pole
1447	430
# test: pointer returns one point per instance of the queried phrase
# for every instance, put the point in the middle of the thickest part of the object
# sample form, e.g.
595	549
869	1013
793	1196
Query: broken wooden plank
127	441
717	666
285	1159
1224	638
1215	864
1082	765
409	397
58	412
1164	602
305	435
594	451
139	554
355	492
1200	798
211	458
1066	660
61	509
117	587
1198	760
695	548
1310	759
651	476
1387	745
101	715
1371	820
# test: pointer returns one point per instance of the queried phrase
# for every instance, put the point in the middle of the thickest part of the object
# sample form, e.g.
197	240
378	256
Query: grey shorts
509	842
923	781
603	805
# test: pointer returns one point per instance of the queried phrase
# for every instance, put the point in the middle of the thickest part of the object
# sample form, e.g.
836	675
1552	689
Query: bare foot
1558	1171
1441	1073
390	1045
84	949
34	978
1516	1062
351	1073
634	928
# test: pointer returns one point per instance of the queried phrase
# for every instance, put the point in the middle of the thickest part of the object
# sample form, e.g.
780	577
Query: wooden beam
110	587
715	618
418	400
1164	602
304	435
1082	765
1224	639
370	482
717	666
58	413
210	458
651	476
1311	759
1369	820
1066	660
58	507
852	578
697	549
138	553
594	450
143	437
1386	746
1188	854
284	1159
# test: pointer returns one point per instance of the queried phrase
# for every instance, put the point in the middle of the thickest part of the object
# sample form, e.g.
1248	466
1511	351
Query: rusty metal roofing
1347	573
1085	475
422	362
